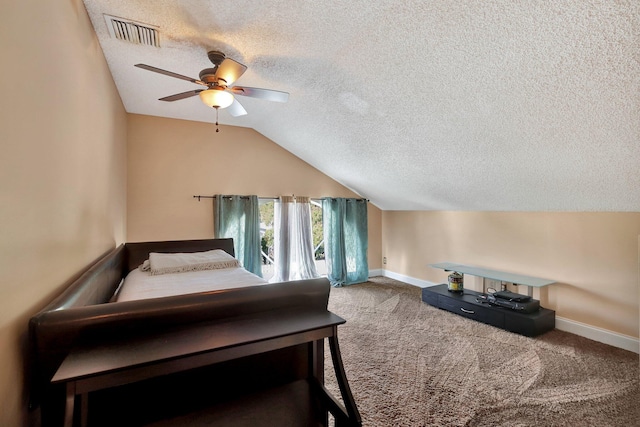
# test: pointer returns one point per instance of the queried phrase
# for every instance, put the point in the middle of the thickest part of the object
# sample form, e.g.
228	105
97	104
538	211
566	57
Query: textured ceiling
500	105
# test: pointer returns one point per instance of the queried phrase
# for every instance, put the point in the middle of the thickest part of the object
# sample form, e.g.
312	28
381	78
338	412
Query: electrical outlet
384	260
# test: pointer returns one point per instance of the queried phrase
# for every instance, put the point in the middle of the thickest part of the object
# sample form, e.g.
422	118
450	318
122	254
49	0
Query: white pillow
163	263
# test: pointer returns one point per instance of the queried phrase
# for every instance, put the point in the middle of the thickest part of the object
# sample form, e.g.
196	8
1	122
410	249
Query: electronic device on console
512	301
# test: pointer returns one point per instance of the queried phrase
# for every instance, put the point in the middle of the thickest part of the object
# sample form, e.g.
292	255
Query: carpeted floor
410	364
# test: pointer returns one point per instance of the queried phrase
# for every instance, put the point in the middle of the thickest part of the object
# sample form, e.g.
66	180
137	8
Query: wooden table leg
341	377
69	403
84	409
316	362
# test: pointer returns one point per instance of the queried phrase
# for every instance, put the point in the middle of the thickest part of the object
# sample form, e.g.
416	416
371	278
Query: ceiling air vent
133	32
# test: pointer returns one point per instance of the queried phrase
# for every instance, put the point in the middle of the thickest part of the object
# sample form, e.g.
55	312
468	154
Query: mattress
143	285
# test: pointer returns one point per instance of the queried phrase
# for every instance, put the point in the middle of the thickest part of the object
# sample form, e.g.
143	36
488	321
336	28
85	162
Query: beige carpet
410	364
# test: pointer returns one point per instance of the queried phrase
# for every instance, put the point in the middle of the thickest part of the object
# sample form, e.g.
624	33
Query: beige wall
593	256
62	168
170	161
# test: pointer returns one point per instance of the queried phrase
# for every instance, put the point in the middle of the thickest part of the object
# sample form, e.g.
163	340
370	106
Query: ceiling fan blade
170	74
230	71
236	109
182	95
254	92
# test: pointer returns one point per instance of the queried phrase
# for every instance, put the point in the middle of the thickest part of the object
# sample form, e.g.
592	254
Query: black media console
467	304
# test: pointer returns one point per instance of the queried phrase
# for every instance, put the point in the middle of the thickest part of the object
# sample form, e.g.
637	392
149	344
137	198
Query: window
266	237
318	237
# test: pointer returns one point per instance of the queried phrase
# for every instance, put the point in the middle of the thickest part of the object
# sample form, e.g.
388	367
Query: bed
94	309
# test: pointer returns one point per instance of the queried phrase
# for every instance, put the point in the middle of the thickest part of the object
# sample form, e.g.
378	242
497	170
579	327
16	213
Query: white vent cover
133	32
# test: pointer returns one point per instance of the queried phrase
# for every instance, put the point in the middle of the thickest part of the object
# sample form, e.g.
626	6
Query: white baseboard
406	279
597	334
582	329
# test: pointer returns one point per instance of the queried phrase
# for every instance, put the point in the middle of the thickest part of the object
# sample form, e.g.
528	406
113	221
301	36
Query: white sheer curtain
293	240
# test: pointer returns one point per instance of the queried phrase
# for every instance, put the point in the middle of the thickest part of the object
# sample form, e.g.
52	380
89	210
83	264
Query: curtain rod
242	197
271	198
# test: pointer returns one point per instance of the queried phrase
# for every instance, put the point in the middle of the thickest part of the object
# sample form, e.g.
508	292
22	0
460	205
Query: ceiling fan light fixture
216	98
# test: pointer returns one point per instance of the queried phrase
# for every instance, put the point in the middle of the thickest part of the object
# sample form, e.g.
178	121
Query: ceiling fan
218	80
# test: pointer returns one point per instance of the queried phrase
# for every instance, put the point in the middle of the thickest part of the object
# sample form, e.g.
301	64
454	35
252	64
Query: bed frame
83	316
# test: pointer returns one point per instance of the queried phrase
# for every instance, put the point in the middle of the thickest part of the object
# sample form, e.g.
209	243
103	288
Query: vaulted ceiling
501	105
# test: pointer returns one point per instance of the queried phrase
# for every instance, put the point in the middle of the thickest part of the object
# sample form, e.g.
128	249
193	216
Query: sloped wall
170	161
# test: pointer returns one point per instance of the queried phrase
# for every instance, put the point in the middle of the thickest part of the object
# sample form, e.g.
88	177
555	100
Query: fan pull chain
217	129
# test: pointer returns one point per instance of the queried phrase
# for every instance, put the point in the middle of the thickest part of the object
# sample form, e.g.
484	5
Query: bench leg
69	403
84	409
343	384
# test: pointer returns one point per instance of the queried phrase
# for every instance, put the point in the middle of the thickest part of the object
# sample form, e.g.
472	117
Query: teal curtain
238	217
346	240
